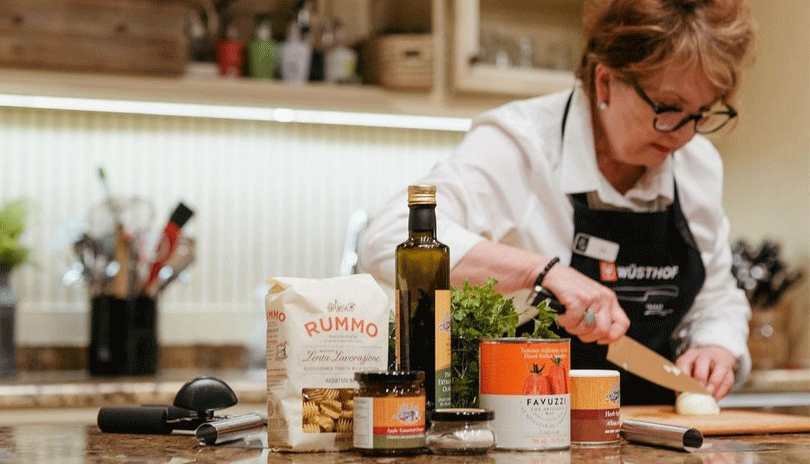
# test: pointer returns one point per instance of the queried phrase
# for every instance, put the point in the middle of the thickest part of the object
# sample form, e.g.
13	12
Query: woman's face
627	120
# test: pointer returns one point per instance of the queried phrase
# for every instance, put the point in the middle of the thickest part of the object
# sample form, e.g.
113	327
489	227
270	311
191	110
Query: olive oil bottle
423	299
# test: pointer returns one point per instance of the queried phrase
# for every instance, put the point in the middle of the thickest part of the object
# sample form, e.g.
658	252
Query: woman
608	196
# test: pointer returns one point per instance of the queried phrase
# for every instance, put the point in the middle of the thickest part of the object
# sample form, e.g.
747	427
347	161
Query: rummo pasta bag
319	333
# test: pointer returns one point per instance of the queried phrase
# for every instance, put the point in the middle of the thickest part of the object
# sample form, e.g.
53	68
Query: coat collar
579	172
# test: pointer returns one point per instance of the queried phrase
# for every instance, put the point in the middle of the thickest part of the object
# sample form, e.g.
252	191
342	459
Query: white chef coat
509	181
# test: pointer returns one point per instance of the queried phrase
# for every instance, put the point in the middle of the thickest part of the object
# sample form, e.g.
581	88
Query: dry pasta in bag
319	333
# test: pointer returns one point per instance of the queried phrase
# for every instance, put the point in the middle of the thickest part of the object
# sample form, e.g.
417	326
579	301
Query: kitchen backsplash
269	199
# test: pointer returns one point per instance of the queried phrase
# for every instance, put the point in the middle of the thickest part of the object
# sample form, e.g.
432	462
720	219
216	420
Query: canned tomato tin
526	382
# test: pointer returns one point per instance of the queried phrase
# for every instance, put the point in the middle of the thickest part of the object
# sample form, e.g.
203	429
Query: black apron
657	274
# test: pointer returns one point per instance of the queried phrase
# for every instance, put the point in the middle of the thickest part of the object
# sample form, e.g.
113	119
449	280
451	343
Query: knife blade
632	356
636	358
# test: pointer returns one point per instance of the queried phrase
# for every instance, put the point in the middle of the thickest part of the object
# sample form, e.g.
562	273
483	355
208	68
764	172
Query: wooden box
119	36
401	61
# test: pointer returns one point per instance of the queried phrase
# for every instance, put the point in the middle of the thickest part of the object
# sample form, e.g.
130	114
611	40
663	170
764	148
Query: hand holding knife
632	356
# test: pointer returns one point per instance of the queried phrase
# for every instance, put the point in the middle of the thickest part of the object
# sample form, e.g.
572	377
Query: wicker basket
402	61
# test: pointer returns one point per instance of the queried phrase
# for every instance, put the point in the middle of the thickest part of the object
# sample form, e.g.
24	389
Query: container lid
421	195
462	414
389	376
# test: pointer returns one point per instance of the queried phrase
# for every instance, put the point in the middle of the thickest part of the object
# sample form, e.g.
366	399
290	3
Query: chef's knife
632	356
636	358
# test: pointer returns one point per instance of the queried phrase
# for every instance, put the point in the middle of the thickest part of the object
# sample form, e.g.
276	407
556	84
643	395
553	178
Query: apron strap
565	114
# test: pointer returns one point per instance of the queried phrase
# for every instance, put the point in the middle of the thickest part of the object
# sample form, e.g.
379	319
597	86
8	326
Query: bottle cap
264	30
421	195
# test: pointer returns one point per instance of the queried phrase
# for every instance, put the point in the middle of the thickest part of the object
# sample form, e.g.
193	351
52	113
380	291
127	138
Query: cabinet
476	53
514	47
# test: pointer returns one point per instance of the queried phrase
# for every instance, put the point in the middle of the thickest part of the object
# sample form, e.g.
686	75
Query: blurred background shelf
477	54
224	92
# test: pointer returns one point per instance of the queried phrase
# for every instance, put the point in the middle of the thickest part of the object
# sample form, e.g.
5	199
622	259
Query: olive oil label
443	347
389	423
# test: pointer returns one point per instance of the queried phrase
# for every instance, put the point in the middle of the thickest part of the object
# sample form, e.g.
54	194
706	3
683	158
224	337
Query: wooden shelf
238	92
515	81
461	89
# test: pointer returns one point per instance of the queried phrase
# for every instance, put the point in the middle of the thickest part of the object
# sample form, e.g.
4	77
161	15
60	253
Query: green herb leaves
479	312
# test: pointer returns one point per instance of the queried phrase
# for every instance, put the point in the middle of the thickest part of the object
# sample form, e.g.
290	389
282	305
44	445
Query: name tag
595	247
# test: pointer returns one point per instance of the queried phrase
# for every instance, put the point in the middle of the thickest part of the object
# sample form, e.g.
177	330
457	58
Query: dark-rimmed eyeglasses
671	118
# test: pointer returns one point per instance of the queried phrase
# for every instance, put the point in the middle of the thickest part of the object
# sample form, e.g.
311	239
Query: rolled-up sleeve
481	193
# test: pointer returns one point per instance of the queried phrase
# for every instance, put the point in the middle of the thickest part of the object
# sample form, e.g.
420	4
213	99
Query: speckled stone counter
71	389
69	436
78	389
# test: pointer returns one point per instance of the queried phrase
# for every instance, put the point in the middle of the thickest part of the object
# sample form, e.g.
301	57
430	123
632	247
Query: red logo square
607	272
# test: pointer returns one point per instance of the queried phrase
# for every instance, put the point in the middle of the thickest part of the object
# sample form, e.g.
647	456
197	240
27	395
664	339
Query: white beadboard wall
269	199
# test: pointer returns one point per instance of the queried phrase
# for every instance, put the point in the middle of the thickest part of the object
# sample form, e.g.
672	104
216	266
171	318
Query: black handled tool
194	405
156	419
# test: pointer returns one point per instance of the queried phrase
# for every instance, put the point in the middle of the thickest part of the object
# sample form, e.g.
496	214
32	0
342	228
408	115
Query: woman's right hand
579	293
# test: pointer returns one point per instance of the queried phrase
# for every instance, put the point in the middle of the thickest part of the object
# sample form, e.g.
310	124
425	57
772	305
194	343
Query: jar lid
462	414
389	376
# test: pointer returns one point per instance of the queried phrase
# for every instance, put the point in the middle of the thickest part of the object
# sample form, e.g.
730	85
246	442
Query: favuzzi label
526	382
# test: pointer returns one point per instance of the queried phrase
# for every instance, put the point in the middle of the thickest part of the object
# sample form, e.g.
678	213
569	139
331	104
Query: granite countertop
73	389
70	436
79	389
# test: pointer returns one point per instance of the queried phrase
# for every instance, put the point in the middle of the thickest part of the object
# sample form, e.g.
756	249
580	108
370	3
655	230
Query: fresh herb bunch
479	312
13	217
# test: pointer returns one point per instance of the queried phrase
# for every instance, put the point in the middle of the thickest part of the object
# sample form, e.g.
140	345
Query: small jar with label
389	413
461	431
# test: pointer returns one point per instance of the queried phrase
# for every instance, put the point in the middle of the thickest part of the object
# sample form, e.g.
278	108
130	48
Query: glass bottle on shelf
296	56
526	53
263	51
341	60
231	53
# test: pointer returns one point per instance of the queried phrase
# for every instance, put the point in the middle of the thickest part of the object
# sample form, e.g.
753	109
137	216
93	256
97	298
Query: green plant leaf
481	312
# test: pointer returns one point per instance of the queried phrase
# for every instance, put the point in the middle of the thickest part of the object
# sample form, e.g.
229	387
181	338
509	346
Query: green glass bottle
423	299
263	52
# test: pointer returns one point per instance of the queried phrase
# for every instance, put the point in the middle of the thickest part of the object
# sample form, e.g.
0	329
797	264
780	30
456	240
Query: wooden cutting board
728	422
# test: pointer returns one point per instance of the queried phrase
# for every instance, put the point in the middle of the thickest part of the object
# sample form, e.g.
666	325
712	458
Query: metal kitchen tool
664	435
194	405
681	438
204	395
634	357
225	430
177	264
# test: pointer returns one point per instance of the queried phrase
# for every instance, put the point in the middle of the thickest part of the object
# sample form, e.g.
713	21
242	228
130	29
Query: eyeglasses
670	118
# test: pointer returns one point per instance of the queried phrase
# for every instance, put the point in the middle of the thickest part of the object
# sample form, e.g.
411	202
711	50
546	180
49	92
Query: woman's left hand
712	366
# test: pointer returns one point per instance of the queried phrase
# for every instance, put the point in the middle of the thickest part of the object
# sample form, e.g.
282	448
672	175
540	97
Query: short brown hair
638	37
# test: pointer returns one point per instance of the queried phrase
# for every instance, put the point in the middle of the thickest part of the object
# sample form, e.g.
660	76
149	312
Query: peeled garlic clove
696	404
